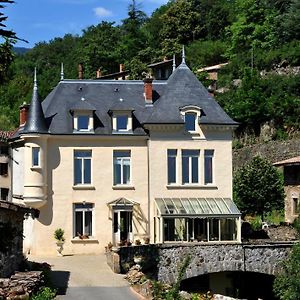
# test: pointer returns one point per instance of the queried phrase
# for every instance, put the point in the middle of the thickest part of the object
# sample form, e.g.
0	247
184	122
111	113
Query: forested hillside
255	36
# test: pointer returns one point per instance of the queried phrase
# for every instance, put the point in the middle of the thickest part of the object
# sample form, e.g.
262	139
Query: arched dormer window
191	115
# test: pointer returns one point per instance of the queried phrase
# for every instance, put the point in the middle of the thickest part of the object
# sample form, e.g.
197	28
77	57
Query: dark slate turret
36	122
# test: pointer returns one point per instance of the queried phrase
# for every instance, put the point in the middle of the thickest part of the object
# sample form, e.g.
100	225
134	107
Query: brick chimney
98	73
23	113
80	71
148	92
122	67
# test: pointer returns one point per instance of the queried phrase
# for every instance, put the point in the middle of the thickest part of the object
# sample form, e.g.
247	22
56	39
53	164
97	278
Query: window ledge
122	132
123	187
191	186
83	131
36	168
84	241
83	187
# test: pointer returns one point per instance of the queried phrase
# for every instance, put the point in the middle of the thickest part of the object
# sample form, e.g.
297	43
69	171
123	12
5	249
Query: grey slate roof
36	122
183	88
103	96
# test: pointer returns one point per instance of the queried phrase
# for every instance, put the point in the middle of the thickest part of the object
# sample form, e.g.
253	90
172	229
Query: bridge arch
217	258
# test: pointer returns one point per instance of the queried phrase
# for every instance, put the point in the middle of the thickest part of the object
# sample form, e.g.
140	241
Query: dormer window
190	121
191	115
83	121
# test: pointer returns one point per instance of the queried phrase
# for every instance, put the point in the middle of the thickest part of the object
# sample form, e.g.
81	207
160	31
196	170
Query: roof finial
62	71
183	55
174	63
35	81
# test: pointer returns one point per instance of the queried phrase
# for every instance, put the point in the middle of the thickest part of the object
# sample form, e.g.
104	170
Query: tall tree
258	188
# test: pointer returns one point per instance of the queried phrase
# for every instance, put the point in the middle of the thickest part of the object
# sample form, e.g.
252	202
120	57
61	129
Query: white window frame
78	114
115	158
82	166
38	153
192	109
83	210
190	165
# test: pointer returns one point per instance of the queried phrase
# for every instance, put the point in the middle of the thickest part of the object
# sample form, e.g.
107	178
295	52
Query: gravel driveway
86	277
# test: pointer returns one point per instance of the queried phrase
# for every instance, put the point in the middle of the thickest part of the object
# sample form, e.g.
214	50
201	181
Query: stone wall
11	234
165	259
218	258
273	151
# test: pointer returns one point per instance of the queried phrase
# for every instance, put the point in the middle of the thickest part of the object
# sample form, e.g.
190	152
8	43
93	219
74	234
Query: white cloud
102	12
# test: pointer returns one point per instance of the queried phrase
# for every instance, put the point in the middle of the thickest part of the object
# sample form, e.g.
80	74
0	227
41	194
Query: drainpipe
148	170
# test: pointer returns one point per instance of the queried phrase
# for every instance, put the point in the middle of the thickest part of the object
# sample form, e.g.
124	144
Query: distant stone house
121	160
291	173
5	170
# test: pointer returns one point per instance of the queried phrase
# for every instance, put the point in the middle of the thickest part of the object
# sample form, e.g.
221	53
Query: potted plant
137	242
146	240
60	240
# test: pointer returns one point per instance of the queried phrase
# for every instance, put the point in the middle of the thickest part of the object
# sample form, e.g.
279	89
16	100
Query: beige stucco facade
50	187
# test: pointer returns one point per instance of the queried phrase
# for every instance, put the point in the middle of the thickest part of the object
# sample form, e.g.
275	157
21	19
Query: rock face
273	151
20	285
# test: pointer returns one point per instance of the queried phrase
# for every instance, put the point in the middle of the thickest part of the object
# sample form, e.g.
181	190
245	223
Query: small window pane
194	169
172	165
185	169
208	166
35	156
78	171
87	171
190	120
122	122
88	223
126	171
78	223
83	122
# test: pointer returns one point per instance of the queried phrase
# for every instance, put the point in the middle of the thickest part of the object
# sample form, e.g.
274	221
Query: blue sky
42	20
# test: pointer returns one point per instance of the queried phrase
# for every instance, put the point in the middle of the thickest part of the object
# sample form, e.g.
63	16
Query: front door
122	226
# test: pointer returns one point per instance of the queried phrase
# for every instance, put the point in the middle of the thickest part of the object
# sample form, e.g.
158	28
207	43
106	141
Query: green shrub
59	235
45	293
275	217
255	223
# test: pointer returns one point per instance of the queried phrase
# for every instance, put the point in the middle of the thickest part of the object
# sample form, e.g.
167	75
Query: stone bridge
208	258
219	258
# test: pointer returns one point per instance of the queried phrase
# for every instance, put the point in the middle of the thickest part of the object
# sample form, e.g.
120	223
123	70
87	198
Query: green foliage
258	188
45	293
59	235
287	283
255	222
173	293
275	217
296	225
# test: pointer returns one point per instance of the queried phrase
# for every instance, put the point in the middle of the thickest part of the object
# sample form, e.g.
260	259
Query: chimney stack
23	113
98	73
122	67
80	71
148	92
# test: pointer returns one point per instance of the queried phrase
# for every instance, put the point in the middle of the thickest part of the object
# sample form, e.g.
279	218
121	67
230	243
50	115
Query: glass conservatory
197	219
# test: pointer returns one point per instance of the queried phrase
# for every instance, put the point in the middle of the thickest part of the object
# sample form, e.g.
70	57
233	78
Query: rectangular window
122	122
190	121
83	122
172	154
208	166
82	167
4	194
35	156
295	206
4	169
3	150
190	166
121	167
83	219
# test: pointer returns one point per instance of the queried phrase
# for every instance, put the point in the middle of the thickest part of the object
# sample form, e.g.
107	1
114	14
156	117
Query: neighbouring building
109	161
5	170
162	70
291	173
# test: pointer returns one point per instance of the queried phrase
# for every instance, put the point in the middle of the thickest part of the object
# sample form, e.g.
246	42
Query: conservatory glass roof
197	207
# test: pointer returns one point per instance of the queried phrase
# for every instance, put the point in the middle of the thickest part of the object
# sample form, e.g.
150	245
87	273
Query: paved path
81	277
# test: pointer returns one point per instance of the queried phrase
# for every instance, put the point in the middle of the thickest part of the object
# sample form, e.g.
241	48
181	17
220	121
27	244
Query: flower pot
60	247
137	260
